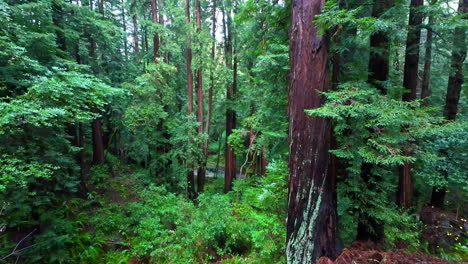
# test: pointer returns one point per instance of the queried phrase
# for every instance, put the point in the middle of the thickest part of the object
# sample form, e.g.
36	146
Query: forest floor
363	253
123	211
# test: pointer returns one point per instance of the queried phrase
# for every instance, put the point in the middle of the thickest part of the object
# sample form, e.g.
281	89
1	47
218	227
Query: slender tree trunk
154	18
263	161
161	22
124	27
190	174
98	144
136	47
410	77
455	83
57	16
210	90
101	7
311	223
380	48
201	173
425	86
230	158
410	82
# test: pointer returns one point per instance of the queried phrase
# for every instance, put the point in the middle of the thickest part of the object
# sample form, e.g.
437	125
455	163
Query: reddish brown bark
190	174
210	90
154	18
201	169
410	77
311	223
410	82
98	144
136	47
455	83
263	161
231	63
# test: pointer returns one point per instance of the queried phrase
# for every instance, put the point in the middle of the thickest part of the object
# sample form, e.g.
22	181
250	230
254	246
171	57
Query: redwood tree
154	18
231	63
311	223
410	82
425	85
190	174
201	169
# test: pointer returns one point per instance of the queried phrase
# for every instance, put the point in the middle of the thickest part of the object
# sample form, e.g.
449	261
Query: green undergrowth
128	218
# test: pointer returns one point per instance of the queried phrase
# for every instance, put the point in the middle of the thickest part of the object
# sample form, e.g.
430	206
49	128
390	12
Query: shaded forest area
227	131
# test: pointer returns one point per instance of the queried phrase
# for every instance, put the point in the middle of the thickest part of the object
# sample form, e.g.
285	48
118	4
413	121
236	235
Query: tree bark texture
230	158
136	47
201	169
190	174
425	86
154	19
98	144
311	222
410	82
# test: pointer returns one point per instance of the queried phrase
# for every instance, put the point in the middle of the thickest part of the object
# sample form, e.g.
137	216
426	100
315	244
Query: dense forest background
166	131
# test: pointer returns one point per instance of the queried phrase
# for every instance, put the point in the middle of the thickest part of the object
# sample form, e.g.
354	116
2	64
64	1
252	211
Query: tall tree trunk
455	83
410	82
161	22
311	223
98	144
136	47
210	89
380	48
57	16
154	18
101	7
370	228
425	86
230	158
201	170
124	27
190	174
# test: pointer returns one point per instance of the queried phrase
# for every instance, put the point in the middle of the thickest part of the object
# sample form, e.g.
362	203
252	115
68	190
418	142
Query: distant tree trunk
410	77
455	83
161	22
136	47
101	6
370	228
201	170
98	144
57	16
154	18
380	48
124	27
425	86
190	174
410	82
230	158
311	222
210	90
263	161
